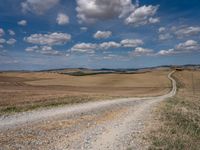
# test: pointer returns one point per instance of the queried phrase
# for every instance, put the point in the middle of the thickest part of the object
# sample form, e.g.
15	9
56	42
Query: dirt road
116	124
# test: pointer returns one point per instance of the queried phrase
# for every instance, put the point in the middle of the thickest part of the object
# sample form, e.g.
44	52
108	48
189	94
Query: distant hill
87	71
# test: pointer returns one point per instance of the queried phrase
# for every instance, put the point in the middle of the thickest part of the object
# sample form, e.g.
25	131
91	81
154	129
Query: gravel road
111	124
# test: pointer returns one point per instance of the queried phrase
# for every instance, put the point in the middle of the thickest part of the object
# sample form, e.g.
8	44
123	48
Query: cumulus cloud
31	49
185	47
38	6
1	32
45	50
90	11
84	48
187	31
189	45
154	20
127	7
62	19
22	23
48	39
179	32
2	41
11	32
131	42
142	15
161	29
166	52
92	47
102	34
139	51
111	44
11	41
165	36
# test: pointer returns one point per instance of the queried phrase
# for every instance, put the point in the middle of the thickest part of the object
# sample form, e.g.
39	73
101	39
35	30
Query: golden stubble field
24	91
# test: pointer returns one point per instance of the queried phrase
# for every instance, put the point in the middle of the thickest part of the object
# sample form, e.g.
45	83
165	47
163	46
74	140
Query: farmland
22	91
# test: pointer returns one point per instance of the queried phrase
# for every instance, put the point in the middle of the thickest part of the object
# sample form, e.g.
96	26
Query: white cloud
166	52
2	41
62	19
11	41
154	20
48	39
107	45
102	34
189	45
187	31
142	15
92	47
45	50
165	36
1	32
31	49
127	7
178	32
139	51
22	23
186	47
38	6
131	42
84	48
92	10
161	29
11	32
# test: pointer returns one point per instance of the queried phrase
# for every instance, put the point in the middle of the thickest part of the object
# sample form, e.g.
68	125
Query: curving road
115	124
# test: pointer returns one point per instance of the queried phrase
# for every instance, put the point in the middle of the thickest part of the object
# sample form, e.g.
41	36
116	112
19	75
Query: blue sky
45	34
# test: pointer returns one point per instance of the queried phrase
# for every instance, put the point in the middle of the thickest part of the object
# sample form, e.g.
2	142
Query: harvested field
110	124
24	91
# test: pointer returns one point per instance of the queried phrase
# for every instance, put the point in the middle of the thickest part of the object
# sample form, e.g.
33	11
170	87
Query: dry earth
114	124
25	91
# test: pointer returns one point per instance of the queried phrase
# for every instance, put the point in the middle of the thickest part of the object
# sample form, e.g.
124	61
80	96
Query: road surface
114	124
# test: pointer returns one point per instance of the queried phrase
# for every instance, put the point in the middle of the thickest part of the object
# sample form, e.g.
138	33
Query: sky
47	34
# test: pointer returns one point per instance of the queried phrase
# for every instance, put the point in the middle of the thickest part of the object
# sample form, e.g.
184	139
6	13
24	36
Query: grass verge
50	103
178	124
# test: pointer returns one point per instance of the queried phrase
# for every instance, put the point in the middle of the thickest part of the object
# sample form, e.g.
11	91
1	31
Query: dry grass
179	117
25	91
99	80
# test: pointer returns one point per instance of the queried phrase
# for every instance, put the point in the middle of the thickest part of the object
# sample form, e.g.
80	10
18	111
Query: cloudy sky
43	34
